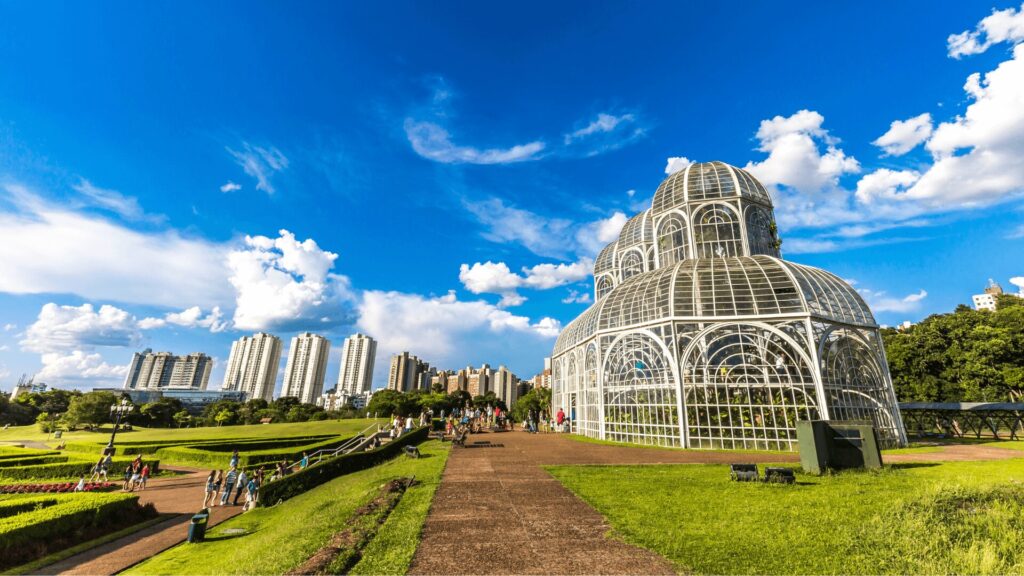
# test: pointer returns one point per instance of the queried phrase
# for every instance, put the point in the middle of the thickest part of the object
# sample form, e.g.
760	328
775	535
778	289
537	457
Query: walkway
498	512
177	495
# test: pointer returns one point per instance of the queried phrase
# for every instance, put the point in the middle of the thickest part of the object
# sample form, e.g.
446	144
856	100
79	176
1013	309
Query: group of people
541	421
221	485
476	419
136	474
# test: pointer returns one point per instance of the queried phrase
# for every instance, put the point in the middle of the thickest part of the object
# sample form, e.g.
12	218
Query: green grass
278	538
139	434
956	517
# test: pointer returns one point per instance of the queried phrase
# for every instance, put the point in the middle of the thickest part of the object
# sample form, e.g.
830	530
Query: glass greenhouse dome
701	336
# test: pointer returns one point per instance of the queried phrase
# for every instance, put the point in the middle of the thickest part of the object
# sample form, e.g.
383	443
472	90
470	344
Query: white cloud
445	329
885	184
282	284
904	135
230	186
1018	281
62	328
1016	233
259	163
593	236
676	163
433	142
879	301
125	206
577	297
604	123
496	278
9	326
50	249
78	366
189	318
1000	26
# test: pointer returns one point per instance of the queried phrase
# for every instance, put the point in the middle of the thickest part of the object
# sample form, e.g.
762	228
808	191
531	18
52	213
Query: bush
71	469
31	461
15	507
6	454
317	474
201	456
72	519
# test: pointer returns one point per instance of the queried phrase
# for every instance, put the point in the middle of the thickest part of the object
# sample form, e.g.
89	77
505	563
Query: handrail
345	448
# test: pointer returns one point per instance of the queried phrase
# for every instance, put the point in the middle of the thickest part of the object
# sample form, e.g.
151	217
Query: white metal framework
701	336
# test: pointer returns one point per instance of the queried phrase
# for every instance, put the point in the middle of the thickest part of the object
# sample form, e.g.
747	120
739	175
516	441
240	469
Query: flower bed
55	488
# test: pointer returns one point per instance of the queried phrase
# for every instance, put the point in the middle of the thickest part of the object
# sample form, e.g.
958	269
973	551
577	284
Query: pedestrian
234	459
304	461
108	463
80	487
251	489
408	424
127	477
229	484
145	476
217	483
136	477
211	489
97	470
243	482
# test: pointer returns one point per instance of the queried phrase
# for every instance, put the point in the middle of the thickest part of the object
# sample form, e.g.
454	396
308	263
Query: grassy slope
845	523
140	434
279	538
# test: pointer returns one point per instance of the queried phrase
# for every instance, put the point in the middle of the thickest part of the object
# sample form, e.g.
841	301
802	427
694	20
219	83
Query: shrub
72	519
15	507
31	461
8	453
71	469
317	474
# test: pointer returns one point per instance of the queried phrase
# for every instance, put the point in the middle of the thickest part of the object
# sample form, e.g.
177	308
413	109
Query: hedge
25	453
73	519
71	469
211	444
201	457
317	474
31	461
13	507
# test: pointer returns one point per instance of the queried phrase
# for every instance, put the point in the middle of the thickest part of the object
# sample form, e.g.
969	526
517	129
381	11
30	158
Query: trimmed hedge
192	455
25	453
31	461
73	519
15	507
317	474
72	469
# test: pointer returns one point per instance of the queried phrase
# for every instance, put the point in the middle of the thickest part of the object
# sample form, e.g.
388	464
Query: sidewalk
181	495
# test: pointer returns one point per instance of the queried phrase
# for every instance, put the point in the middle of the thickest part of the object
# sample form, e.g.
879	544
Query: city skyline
153	196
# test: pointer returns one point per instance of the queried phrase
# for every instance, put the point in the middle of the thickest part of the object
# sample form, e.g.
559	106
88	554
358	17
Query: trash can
197	527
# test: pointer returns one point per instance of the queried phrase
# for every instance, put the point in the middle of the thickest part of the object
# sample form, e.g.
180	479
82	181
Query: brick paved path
180	495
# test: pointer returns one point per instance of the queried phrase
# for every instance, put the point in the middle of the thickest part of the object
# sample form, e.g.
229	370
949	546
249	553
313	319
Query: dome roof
747	287
704	181
606	259
637	230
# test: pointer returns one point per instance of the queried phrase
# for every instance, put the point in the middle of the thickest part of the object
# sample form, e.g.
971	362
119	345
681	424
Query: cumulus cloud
879	301
676	163
230	186
432	141
1018	281
496	278
189	318
1000	26
61	328
260	163
282	284
78	366
904	135
577	297
51	249
449	331
9	326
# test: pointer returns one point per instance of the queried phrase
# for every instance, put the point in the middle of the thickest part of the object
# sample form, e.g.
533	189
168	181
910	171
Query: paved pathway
181	495
957	453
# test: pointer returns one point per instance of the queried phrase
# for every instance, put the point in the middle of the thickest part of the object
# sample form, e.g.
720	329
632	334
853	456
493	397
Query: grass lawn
956	517
276	539
139	434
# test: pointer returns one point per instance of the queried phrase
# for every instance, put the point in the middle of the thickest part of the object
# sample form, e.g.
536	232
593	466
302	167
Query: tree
229	408
182	418
250	409
285	403
388	402
160	414
90	409
537	400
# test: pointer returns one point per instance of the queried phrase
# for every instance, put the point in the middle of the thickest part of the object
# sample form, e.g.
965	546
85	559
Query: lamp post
117	412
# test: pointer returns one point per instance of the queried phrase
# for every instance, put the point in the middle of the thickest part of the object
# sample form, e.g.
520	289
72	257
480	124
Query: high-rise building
159	370
407	373
253	365
357	358
306	368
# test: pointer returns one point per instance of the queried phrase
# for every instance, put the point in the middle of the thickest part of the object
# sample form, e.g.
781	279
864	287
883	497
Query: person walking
234	459
127	477
108	463
251	489
304	461
229	484
243	482
211	490
145	476
97	470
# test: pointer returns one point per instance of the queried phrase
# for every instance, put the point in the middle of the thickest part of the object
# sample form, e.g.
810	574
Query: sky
440	175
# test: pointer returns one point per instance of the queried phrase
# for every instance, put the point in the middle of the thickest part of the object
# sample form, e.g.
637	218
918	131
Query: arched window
672	240
716	232
761	232
639	393
631	264
603	286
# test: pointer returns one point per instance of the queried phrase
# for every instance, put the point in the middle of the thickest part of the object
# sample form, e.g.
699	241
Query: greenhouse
701	336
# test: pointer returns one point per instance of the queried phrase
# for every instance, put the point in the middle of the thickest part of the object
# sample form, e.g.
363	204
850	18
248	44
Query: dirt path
957	453
177	495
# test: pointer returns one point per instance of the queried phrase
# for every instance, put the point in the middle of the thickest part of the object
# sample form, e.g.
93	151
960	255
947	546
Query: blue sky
438	175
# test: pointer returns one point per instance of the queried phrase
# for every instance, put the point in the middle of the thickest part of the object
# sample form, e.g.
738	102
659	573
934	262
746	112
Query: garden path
180	495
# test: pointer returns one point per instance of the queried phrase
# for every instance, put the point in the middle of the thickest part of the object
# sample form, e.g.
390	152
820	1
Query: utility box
832	445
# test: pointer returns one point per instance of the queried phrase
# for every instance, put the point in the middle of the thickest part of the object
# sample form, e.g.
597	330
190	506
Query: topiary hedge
31	461
25	453
199	456
317	474
72	469
10	508
72	519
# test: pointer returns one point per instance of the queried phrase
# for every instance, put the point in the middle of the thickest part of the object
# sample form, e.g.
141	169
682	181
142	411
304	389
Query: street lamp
117	412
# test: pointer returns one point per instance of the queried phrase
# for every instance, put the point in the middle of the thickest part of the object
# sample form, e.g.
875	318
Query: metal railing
346	447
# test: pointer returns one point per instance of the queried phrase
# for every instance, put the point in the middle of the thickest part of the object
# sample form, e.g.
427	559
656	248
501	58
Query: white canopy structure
701	336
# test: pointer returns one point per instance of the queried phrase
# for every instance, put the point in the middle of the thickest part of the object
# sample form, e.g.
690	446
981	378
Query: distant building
27	386
193	400
158	370
987	300
253	365
357	359
339	400
543	380
407	373
505	385
306	368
